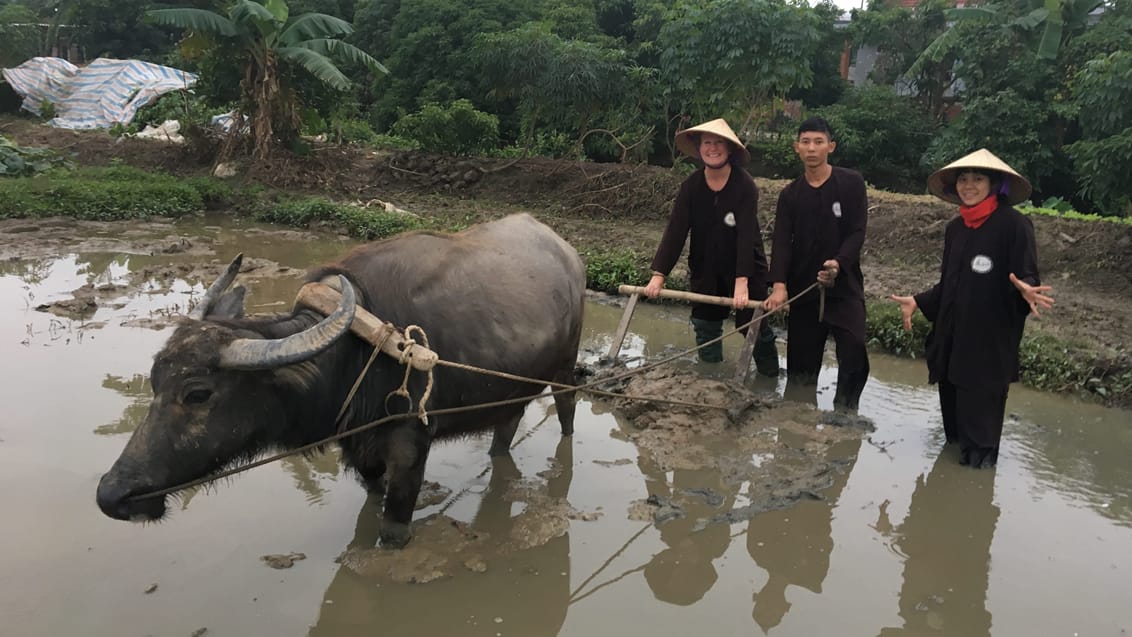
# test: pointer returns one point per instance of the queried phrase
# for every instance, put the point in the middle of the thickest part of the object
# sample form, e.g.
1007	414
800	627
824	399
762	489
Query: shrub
352	131
361	223
457	128
772	155
607	269
885	329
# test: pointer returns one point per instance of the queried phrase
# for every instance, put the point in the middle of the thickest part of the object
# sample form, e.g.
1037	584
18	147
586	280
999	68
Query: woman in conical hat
988	286
717	206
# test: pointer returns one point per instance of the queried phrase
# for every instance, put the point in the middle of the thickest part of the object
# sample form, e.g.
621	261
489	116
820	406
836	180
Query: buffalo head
220	385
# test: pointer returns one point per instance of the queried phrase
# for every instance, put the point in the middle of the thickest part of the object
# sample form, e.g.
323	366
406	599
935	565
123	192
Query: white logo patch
729	219
837	209
982	264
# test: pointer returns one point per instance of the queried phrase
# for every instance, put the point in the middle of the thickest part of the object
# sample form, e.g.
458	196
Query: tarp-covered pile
98	95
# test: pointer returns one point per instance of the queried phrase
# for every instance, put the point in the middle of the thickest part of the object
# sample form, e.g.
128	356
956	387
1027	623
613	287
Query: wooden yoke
324	299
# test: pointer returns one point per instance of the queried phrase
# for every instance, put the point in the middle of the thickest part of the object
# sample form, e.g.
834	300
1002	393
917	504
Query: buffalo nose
117	499
111	497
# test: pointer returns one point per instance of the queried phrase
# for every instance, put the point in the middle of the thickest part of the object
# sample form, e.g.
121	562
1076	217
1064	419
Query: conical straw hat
941	183
686	142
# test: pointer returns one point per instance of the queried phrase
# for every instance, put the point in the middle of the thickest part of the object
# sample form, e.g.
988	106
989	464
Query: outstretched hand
1034	294
907	309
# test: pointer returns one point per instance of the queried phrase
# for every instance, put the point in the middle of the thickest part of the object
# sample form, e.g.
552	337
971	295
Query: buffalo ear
230	305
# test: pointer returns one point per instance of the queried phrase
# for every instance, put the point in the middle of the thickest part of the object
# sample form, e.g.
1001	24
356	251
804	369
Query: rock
282	561
475	564
225	170
472	176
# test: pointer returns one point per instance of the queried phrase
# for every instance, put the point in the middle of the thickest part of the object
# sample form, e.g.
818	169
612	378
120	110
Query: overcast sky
848	4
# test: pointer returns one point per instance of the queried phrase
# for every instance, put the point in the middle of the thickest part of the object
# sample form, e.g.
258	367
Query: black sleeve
929	300
748	237
855	211
675	233
783	237
1024	259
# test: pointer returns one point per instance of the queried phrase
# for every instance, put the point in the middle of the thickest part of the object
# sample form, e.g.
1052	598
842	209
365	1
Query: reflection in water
308	472
793	545
683	573
1084	457
30	271
135	388
946	541
524	593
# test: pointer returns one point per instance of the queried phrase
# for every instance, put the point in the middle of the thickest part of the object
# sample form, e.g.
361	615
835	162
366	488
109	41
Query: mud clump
776	452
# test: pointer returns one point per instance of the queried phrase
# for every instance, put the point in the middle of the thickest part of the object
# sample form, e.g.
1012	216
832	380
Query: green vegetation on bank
19	161
358	222
1072	214
107	194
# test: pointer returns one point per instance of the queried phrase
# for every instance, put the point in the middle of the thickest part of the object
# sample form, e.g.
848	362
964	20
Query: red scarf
974	216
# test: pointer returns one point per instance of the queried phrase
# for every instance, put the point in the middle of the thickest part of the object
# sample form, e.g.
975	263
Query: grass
361	223
1072	214
108	194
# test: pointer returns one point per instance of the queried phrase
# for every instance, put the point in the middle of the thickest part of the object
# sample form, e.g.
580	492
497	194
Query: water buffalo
505	295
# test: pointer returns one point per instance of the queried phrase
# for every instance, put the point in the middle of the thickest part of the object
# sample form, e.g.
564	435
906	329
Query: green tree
427	45
1021	131
826	87
268	44
881	134
732	57
1102	91
18	38
569	85
1014	100
899	35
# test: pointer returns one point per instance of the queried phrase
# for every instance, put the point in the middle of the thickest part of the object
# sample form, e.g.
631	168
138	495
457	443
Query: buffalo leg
504	434
405	465
373	475
566	403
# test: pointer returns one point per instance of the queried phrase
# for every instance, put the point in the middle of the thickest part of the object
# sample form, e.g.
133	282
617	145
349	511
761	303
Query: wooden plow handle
690	297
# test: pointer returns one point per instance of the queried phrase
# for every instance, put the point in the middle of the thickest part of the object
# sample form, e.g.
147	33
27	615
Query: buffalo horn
217	288
253	353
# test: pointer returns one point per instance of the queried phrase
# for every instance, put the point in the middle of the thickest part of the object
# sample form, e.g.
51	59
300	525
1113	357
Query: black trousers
805	345
973	416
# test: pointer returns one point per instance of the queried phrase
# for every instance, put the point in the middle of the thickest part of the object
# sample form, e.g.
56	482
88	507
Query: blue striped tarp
98	95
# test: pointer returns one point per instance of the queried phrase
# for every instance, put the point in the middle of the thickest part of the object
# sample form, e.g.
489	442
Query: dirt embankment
611	206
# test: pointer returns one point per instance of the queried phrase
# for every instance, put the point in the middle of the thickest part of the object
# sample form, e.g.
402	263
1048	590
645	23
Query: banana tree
269	41
1052	19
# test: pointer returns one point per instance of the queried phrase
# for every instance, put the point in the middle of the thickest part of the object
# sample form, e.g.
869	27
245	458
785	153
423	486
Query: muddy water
900	541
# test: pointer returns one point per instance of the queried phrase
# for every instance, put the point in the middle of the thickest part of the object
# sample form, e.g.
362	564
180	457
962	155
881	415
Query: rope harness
422	413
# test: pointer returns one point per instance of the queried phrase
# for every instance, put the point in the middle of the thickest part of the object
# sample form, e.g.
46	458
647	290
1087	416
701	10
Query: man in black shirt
819	229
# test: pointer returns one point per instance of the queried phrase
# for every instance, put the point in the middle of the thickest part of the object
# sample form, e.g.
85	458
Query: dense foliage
1043	83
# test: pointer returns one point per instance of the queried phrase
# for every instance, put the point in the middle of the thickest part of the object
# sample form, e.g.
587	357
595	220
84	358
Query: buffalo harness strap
324	296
